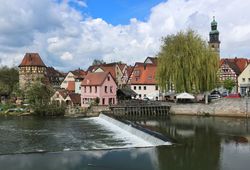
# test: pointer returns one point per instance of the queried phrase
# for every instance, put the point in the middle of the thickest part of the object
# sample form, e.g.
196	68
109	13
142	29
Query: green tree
38	96
229	84
187	61
98	62
9	78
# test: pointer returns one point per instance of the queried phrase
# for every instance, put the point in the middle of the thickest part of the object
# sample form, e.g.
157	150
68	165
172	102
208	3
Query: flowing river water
203	143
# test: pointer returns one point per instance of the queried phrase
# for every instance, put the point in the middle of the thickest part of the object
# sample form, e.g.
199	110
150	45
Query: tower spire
214	41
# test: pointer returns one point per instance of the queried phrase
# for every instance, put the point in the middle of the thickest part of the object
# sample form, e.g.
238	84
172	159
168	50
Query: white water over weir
154	141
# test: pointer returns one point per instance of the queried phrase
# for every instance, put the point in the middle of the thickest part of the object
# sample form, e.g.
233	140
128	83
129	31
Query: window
145	87
84	89
108	78
103	101
137	72
111	89
139	95
90	89
243	79
156	87
149	77
106	89
248	79
95	89
134	87
139	87
79	87
145	95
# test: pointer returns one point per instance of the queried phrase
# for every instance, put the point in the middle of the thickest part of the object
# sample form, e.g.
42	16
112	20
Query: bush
50	110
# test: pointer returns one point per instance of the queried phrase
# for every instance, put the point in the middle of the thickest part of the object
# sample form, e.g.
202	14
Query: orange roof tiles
95	79
32	59
63	93
75	98
238	64
144	74
79	73
71	86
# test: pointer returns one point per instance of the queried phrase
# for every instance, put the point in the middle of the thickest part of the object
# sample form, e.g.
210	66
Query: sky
70	34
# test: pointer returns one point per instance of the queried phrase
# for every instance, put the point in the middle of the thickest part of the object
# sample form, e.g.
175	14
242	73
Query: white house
143	82
244	81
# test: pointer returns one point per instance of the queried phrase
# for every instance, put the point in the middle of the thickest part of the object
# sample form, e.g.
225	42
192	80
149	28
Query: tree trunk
206	97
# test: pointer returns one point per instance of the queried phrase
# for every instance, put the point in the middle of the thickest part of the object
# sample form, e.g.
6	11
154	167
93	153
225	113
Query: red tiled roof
75	98
95	79
32	59
63	93
51	72
105	67
238	64
121	66
79	73
110	69
144	74
71	86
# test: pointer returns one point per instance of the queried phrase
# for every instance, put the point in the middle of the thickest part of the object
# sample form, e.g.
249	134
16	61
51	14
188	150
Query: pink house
99	87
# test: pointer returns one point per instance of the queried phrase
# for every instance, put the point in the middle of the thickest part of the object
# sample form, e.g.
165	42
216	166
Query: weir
153	138
141	109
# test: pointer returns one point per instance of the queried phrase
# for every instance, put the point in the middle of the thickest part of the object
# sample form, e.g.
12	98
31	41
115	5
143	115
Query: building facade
143	82
244	82
99	87
73	80
31	69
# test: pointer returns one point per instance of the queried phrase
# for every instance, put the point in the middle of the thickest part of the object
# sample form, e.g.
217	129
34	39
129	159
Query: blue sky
117	11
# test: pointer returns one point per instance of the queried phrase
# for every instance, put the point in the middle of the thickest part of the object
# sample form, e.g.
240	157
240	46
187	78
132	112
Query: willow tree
187	62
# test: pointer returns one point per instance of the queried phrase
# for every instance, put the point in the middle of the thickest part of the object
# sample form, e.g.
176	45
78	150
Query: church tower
214	41
31	69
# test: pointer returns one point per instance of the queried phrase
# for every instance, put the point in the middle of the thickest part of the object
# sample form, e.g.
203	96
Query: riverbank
225	107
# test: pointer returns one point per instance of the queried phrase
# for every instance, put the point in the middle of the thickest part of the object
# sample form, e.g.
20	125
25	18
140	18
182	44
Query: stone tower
31	69
214	41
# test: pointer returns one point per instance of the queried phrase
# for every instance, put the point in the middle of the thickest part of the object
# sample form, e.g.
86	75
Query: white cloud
59	32
67	56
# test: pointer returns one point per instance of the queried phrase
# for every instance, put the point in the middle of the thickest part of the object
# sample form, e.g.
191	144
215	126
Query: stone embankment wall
221	107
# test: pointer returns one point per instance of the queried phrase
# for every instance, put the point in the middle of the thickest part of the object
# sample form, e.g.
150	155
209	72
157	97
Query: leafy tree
9	78
187	61
38	96
98	62
229	84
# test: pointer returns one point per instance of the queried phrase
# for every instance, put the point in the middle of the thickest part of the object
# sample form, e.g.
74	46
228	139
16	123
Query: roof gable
144	74
237	64
75	98
32	59
95	79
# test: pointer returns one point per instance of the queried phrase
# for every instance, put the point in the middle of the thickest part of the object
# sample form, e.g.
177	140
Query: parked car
234	95
214	95
224	94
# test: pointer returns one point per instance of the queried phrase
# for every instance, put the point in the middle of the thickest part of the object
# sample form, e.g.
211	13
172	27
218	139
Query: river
202	143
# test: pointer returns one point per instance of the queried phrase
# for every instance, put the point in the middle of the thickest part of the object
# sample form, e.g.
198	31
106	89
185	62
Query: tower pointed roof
32	59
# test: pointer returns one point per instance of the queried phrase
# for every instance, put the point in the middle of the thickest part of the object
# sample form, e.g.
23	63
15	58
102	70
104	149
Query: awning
184	96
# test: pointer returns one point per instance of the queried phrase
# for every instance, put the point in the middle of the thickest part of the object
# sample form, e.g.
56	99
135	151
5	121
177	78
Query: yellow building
244	81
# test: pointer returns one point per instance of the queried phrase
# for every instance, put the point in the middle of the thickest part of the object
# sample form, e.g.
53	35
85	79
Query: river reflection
202	144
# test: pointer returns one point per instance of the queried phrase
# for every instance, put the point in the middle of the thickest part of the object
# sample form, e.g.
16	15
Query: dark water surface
203	144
